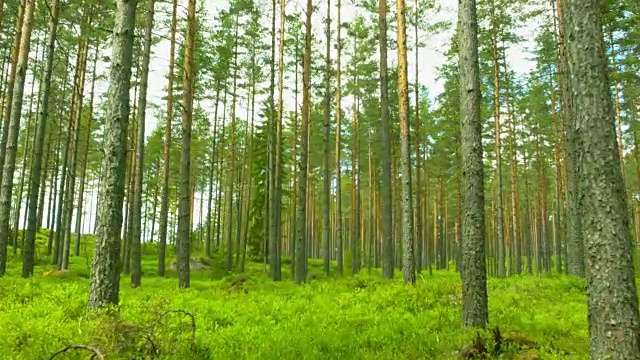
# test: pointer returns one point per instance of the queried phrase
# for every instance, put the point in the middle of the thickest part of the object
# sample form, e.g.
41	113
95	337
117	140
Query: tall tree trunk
326	175
104	284
575	243
385	149
35	176
13	132
164	203
473	270
408	266
232	163
417	141
301	238
275	222
184	212
136	261
339	235
63	261
613	310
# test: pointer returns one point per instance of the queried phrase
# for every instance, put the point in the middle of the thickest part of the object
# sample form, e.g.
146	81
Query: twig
95	351
179	311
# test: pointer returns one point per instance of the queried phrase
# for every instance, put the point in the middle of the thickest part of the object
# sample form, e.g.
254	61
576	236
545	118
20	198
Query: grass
250	317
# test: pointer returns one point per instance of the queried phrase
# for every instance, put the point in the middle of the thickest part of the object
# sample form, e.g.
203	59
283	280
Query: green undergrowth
250	317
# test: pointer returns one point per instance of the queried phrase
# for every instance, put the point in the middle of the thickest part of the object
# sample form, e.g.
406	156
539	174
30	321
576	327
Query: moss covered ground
250	317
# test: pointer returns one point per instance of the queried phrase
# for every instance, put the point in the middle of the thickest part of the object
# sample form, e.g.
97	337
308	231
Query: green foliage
250	317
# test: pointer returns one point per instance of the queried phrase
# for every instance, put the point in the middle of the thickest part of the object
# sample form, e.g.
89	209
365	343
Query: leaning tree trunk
104	286
611	290
473	269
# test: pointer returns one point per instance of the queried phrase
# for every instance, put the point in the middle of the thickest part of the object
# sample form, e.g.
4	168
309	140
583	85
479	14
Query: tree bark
164	203
13	131
611	290
136	261
473	270
184	212
408	265
385	149
104	284
301	235
36	171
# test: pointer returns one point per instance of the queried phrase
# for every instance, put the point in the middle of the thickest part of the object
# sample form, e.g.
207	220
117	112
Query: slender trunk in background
104	286
275	222
136	261
184	213
499	205
13	131
339	236
211	166
408	265
8	96
475	311
385	149
612	310
326	175
83	173
232	163
301	238
164	204
63	261
294	174
26	165
45	173
418	143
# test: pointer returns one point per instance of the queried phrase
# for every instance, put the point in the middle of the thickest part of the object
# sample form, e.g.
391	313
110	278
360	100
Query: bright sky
431	56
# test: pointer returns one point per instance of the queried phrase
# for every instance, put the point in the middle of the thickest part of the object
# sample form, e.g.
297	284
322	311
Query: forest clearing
304	179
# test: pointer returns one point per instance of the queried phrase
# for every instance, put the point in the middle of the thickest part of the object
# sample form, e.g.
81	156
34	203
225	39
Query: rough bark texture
611	289
408	266
184	212
385	149
473	271
136	261
164	203
575	242
13	132
36	171
104	284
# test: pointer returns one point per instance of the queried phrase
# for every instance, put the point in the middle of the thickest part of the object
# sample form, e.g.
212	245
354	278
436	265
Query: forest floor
250	317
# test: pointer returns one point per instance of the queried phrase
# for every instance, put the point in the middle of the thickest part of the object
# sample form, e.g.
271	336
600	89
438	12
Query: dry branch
96	352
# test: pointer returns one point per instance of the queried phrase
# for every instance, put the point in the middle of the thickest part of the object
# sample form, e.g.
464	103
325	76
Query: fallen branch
96	352
179	311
